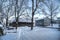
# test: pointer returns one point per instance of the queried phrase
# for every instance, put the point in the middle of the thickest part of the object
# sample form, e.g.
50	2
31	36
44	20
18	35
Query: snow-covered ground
38	33
54	25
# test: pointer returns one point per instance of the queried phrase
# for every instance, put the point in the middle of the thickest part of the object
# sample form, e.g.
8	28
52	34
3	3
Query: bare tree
52	9
7	16
34	10
1	12
17	10
6	13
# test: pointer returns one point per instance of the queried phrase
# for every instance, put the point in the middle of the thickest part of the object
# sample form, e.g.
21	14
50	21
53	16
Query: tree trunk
51	20
32	13
7	22
51	13
16	18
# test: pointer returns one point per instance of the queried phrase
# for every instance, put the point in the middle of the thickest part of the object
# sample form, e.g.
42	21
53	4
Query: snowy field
38	33
54	25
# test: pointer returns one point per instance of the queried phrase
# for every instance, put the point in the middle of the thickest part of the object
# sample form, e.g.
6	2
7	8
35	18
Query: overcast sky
56	3
38	14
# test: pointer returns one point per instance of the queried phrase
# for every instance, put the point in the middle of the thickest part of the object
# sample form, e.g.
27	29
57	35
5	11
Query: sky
38	15
57	2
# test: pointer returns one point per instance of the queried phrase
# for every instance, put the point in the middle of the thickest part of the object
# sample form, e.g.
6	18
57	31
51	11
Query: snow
39	16
38	33
1	25
54	26
9	36
21	19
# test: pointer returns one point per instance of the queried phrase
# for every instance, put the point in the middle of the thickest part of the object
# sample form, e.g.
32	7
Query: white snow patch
54	25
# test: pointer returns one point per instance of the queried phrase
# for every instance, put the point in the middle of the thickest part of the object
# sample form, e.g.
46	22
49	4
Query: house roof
21	19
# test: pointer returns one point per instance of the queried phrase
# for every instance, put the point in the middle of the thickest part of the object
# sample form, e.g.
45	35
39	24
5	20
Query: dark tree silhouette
52	9
34	10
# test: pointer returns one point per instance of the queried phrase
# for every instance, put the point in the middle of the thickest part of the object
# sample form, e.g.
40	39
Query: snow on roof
25	18
38	16
21	19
